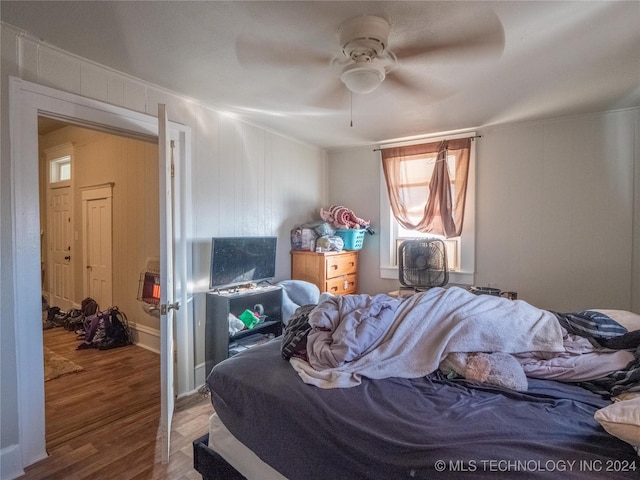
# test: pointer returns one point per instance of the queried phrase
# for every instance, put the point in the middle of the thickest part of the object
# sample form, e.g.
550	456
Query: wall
557	215
245	180
132	166
556	211
249	182
363	197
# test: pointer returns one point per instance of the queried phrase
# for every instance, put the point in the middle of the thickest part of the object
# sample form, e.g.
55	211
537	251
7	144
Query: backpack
116	330
75	319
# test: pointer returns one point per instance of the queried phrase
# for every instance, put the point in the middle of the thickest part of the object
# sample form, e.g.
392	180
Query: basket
353	238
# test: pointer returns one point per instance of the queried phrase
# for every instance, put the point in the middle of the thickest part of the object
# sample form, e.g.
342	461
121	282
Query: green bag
249	319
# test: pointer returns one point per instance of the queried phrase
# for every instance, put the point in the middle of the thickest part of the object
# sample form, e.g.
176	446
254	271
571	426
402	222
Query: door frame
27	101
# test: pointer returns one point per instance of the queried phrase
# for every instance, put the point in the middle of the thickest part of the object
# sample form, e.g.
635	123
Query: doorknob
68	257
164	308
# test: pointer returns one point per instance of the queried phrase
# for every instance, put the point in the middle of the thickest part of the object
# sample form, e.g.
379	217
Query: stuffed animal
342	217
494	368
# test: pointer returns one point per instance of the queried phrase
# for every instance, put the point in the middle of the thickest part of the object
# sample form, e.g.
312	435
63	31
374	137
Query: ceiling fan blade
252	50
422	87
334	96
466	42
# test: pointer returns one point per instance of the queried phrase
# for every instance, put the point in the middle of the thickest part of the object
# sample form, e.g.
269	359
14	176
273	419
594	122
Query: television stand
218	344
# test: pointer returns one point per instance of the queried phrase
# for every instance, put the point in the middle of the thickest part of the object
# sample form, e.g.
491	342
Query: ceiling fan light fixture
360	78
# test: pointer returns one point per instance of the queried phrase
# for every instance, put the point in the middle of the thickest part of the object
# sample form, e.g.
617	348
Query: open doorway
27	102
99	225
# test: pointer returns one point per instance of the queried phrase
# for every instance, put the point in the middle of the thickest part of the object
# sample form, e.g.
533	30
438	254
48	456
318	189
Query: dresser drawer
339	265
335	272
342	285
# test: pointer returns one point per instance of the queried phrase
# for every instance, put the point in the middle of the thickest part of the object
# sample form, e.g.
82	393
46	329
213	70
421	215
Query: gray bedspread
427	427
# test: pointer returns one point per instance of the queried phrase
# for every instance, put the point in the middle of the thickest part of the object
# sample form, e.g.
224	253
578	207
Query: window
60	169
59	162
460	250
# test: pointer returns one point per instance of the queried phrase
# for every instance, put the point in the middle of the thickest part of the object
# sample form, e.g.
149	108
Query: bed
277	419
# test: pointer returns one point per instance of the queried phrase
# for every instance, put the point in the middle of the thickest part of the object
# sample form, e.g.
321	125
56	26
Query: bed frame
211	465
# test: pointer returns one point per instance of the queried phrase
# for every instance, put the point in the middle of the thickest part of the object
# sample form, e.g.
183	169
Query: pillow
622	419
629	320
296	293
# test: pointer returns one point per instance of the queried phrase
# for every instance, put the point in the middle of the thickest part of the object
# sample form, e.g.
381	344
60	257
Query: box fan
422	263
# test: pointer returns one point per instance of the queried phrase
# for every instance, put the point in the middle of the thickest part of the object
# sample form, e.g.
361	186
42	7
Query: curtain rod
443	140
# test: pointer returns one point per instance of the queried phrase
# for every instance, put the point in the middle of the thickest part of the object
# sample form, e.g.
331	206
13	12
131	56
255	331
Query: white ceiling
269	62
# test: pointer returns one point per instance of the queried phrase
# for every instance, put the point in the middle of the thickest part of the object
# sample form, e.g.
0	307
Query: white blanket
424	329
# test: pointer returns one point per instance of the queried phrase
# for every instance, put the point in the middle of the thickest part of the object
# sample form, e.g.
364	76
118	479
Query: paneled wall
249	181
558	210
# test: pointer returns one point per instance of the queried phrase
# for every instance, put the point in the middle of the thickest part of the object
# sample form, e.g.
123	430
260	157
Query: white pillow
622	419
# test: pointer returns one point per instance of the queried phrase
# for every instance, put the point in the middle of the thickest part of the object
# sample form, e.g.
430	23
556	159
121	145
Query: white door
60	272
167	299
97	244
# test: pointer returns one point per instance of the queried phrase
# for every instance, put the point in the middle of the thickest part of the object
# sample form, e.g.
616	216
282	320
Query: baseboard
11	463
146	337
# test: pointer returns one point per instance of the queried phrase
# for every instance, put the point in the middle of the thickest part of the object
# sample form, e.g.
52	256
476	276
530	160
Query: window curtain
440	201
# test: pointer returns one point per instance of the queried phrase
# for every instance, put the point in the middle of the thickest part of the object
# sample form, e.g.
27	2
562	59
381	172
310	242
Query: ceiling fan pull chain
351	120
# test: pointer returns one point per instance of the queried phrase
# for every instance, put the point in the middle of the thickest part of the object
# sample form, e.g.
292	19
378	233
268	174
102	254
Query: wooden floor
102	423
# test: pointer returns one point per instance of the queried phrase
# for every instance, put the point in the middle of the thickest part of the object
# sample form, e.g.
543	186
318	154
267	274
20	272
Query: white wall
557	216
556	210
354	179
245	180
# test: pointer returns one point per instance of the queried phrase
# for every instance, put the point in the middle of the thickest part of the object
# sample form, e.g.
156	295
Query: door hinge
173	168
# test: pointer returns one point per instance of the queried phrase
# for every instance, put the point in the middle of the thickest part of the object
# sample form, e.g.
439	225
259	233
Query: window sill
457	278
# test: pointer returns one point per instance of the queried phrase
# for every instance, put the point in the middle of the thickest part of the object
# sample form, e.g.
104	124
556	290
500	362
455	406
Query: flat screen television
241	260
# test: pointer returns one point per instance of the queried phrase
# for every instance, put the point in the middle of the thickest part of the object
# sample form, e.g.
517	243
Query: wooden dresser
334	272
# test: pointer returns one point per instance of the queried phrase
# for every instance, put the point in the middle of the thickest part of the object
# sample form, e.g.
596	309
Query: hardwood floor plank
103	422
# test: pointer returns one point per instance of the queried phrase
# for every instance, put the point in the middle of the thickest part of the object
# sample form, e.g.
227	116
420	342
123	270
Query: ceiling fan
365	59
364	41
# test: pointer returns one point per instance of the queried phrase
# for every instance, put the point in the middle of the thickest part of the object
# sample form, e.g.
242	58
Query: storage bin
353	238
303	239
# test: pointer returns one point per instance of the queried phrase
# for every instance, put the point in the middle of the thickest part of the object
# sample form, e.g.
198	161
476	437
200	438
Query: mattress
236	454
417	428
